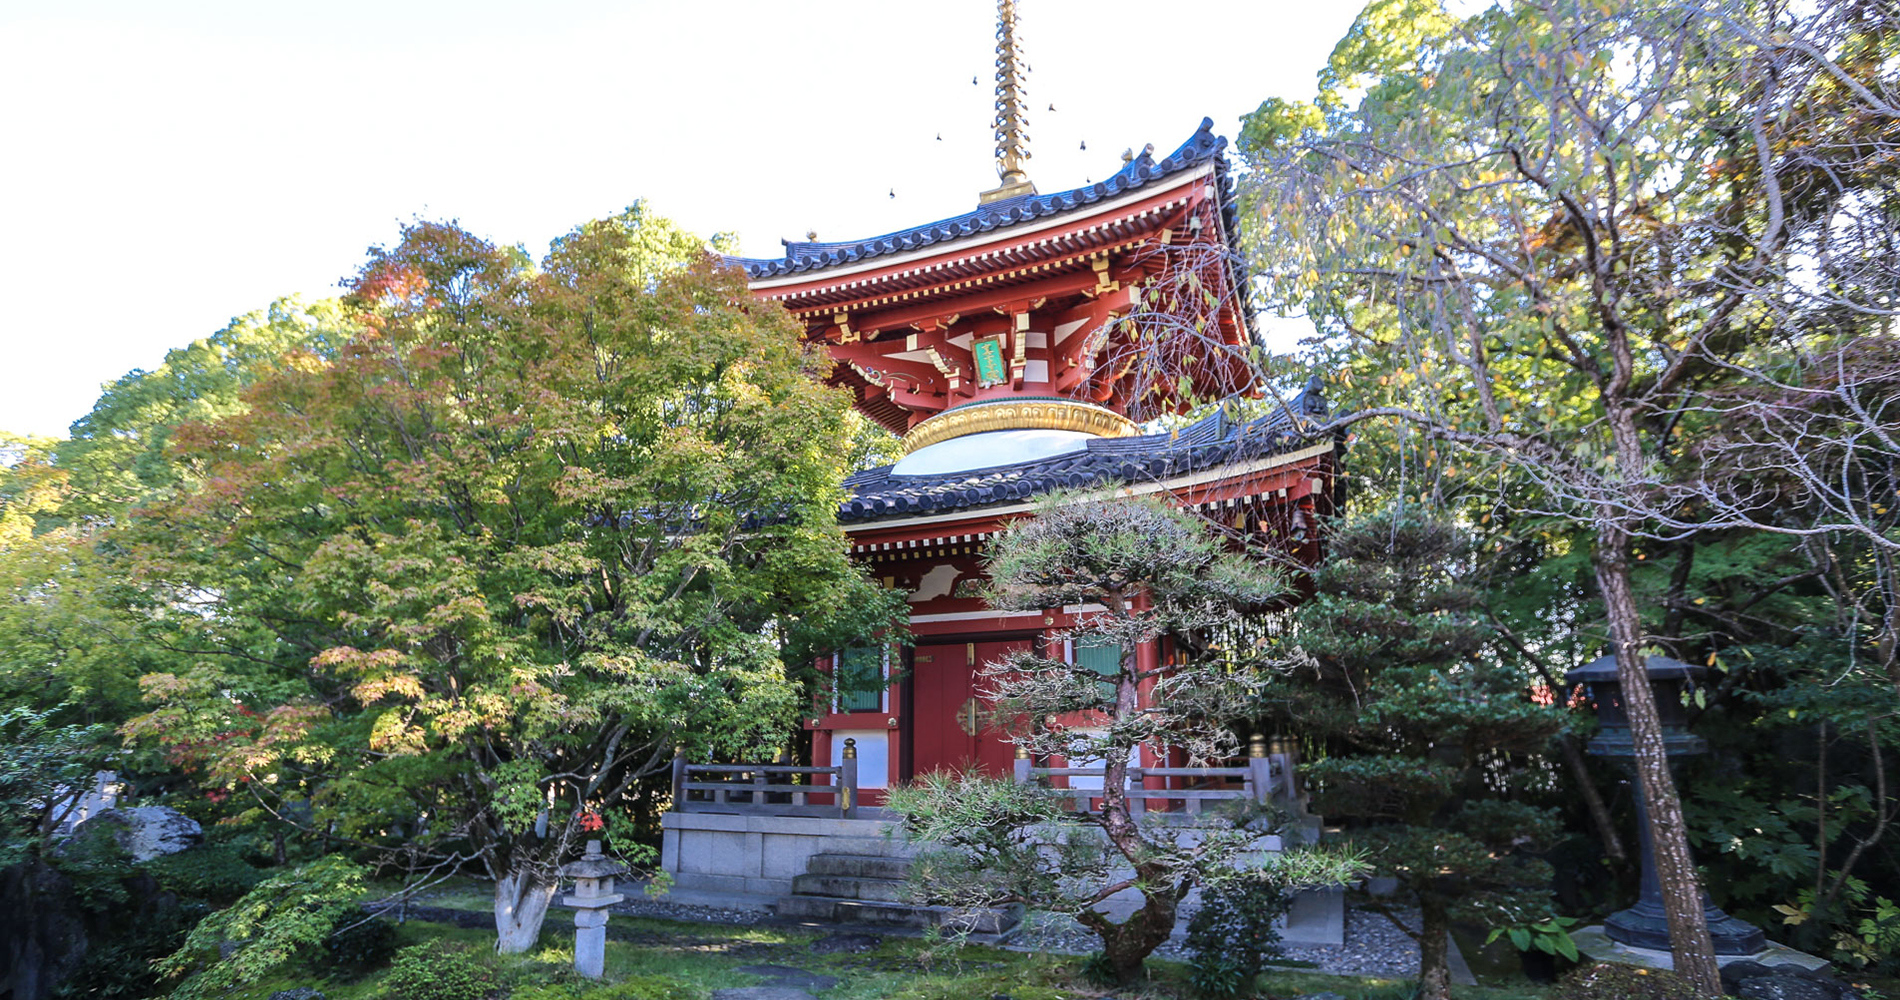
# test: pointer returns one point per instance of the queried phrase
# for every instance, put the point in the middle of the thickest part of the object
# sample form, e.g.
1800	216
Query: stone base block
1595	942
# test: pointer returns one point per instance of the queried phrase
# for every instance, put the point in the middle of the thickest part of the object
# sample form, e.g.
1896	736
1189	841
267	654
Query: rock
788	976
147	832
1322	996
845	944
1735	973
1780	987
762	993
300	993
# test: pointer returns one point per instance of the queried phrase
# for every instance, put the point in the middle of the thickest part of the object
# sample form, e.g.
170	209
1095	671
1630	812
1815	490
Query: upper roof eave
810	258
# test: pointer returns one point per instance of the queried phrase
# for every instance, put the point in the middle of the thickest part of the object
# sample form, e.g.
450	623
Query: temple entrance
949	726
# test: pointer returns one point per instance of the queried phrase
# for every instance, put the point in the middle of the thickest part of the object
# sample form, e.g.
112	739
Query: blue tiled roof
1200	148
1214	441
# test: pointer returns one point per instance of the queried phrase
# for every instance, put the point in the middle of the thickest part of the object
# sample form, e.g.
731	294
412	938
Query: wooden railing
772	789
1266	777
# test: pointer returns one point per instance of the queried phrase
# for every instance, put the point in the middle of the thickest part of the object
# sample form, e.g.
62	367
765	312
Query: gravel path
1373	946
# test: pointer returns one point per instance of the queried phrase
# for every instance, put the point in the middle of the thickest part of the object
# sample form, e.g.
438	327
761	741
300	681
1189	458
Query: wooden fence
1266	777
772	789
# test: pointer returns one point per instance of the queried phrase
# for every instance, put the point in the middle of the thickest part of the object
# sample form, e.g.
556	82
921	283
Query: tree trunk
1689	942
521	904
1434	950
1125	946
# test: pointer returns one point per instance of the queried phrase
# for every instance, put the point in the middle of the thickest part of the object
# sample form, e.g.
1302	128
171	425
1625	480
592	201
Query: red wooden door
940	676
950	718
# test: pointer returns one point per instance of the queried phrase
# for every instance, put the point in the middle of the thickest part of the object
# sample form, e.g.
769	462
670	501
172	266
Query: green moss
678	961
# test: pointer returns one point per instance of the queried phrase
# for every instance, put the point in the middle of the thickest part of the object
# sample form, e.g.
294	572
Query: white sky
165	166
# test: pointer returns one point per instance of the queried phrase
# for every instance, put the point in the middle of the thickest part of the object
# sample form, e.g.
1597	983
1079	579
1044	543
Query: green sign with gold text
989	361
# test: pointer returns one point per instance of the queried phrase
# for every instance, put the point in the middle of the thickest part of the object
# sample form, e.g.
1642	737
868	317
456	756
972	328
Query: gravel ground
637	904
1373	946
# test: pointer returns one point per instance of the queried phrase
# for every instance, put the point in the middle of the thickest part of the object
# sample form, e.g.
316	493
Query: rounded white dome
980	451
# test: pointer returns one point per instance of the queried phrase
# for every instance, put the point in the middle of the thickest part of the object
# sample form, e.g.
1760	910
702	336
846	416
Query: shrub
1234	934
356	946
1217	977
1604	981
639	988
427	972
213	874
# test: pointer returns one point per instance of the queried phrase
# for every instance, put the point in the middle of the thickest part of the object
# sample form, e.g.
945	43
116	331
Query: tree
1154	571
1431	738
1545	233
470	582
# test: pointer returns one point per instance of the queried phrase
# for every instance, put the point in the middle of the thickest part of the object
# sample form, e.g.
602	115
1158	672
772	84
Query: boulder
1754	981
147	832
1784	988
300	993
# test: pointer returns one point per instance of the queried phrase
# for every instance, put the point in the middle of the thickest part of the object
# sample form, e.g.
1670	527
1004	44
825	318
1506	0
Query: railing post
848	779
1287	752
759	778
1137	807
1022	765
679	778
1259	770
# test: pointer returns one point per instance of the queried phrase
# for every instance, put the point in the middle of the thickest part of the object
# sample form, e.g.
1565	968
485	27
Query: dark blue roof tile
1208	443
801	256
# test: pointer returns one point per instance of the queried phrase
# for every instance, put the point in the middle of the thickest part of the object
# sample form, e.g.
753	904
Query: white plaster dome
990	448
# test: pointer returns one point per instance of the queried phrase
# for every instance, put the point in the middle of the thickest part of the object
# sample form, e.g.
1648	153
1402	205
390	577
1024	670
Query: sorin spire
1012	126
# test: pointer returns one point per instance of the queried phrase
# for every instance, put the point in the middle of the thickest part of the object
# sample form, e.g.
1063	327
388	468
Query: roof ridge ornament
1012	126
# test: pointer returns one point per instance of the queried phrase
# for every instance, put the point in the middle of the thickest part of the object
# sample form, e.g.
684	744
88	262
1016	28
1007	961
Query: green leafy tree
1432	739
523	535
1553	237
1154	571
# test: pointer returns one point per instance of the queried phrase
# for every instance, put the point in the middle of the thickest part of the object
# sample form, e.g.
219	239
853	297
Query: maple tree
479	572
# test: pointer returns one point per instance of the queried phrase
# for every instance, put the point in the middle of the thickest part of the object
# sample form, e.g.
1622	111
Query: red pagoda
1007	346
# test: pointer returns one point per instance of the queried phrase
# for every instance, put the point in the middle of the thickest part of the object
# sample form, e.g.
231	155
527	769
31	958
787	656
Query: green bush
212	874
1604	981
356	945
428	972
639	988
1217	977
1234	933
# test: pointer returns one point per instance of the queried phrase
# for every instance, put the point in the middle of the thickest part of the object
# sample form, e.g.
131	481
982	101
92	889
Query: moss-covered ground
664	960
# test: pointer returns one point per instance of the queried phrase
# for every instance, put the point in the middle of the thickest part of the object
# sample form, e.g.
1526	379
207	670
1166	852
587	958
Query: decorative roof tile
801	256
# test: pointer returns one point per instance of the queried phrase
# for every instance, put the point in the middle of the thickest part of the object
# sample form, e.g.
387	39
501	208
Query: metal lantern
593	877
1645	925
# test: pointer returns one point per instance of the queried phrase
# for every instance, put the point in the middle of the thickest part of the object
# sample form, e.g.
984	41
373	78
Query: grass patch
665	960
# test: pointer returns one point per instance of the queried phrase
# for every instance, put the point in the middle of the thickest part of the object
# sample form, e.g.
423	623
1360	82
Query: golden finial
1012	127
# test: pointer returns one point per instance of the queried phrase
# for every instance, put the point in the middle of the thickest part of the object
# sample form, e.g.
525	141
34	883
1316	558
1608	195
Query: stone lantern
593	877
1645	925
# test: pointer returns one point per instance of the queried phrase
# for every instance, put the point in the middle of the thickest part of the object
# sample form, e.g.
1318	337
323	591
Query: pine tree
1430	743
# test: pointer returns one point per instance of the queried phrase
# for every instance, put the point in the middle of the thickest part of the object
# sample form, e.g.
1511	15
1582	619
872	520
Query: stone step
859	866
885	890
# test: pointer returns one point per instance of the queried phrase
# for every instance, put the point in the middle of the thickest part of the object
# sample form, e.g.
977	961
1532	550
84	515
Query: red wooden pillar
1147	660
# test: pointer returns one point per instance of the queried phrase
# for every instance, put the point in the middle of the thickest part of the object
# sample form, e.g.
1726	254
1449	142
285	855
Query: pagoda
1019	348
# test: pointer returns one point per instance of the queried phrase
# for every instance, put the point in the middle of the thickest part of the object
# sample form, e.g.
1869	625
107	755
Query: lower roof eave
1264	463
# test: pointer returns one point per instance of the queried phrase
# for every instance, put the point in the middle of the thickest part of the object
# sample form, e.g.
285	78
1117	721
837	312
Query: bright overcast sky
165	166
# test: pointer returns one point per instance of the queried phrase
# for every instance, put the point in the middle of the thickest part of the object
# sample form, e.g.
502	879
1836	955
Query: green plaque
989	361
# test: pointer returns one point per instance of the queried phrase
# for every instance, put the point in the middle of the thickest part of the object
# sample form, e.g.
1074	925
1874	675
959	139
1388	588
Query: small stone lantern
1645	925
593	877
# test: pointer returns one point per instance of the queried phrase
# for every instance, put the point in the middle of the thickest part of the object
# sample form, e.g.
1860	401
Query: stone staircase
868	890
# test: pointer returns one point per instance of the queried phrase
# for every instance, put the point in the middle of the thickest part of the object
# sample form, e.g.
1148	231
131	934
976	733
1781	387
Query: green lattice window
860	679
1104	660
